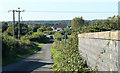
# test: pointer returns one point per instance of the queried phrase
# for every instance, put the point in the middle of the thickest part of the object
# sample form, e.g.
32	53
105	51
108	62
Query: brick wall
91	44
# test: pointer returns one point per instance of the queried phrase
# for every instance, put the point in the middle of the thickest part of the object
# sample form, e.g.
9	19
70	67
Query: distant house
60	27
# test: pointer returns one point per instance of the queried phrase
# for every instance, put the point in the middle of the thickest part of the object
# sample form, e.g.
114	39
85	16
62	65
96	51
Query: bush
24	42
62	32
68	32
23	29
49	32
30	32
37	37
9	45
68	58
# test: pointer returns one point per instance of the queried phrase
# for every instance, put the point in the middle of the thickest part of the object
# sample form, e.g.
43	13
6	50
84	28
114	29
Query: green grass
55	52
57	55
17	57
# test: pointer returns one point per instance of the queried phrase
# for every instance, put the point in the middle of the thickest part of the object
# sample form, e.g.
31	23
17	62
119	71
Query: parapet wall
101	50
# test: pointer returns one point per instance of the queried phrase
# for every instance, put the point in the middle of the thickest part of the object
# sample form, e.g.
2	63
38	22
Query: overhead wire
72	11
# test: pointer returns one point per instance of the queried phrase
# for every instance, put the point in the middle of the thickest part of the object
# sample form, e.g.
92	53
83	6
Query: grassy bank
19	56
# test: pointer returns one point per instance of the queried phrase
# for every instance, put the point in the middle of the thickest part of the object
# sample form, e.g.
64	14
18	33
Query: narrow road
38	62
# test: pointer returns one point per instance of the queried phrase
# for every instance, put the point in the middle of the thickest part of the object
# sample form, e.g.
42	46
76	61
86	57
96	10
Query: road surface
38	62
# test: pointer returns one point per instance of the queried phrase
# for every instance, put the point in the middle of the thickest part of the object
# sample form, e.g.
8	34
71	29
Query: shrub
24	42
68	58
37	37
9	45
49	32
62	32
30	32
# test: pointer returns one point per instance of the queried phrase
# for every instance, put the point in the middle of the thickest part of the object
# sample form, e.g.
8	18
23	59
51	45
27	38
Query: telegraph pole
13	21
19	21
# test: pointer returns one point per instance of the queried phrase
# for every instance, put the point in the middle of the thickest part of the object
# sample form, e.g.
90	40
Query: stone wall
101	49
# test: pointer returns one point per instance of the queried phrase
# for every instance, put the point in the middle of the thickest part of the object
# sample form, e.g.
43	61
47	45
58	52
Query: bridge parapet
92	45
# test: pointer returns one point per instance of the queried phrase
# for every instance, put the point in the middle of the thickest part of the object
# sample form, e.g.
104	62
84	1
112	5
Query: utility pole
13	21
19	21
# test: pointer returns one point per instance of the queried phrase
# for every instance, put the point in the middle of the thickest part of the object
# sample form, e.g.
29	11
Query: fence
101	50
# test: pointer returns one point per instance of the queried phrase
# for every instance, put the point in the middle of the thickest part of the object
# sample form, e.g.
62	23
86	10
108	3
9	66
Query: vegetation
4	26
36	37
29	43
49	32
77	23
111	23
10	45
23	31
68	58
19	49
66	55
44	28
22	54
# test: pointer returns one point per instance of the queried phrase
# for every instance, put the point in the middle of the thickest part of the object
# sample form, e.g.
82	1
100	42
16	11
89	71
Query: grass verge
57	57
19	56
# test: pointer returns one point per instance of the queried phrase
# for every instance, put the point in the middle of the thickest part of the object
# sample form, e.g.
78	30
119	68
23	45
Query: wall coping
109	35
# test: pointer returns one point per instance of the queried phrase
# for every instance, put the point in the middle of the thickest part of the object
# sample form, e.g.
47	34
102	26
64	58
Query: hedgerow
11	46
68	58
36	37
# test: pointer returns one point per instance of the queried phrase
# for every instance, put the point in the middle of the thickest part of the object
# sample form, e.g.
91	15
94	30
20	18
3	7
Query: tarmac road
38	62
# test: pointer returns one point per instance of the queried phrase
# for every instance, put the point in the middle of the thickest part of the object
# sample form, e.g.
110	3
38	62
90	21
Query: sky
58	9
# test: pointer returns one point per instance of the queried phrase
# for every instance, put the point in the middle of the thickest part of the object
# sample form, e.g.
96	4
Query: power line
71	12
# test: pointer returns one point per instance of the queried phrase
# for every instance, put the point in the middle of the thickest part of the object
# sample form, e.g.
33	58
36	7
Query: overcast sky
89	9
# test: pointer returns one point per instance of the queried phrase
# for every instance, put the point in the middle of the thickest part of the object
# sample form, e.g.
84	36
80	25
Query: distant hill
51	22
45	22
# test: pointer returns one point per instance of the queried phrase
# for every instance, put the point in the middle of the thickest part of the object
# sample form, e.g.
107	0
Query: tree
35	27
23	31
9	30
4	26
77	23
48	29
30	28
40	30
118	23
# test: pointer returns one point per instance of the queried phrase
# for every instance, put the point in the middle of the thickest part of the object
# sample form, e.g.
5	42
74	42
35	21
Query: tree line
111	23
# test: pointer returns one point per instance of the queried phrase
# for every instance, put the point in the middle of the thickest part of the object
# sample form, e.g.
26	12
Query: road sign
65	37
59	39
